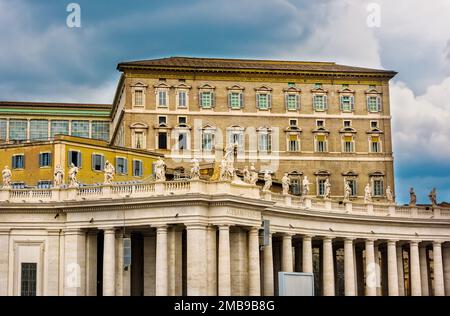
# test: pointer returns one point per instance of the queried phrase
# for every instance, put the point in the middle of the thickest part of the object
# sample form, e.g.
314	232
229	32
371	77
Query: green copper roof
60	112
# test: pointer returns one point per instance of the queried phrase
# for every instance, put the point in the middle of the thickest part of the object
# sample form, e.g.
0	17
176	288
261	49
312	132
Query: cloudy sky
41	59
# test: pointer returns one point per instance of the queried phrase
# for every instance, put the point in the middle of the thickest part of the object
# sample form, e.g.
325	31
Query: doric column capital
327	238
414	243
437	243
195	226
392	242
307	237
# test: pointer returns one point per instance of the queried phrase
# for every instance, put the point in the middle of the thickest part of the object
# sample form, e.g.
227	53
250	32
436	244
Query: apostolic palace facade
208	177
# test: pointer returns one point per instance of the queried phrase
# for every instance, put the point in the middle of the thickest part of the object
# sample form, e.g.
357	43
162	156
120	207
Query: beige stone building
317	119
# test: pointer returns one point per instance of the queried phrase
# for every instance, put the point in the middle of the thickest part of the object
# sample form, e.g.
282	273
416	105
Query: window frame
94	162
79	158
125	165
41	159
14	162
134	164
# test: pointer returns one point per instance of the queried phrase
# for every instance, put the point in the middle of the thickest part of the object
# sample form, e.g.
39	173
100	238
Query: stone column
400	270
446	255
392	268
287	253
212	260
371	274
149	264
109	262
161	282
51	287
349	268
414	269
307	260
196	259
424	270
254	275
224	273
4	261
268	269
328	267
439	289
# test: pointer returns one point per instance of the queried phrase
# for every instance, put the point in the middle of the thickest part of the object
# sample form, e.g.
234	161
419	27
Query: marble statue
412	197
58	176
267	181
389	194
223	169
253	174
327	187
285	182
160	170
230	150
73	171
246	174
347	191
367	193
433	198
6	175
195	170
109	172
305	186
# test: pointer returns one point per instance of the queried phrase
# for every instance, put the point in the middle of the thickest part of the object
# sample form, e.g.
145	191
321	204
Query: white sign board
295	284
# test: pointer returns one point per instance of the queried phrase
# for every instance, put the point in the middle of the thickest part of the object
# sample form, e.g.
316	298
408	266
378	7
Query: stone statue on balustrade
6	175
58	176
109	172
327	189
367	193
253	174
433	197
246	174
223	175
347	191
195	170
160	170
412	197
389	195
230	151
285	183
305	186
267	181
73	172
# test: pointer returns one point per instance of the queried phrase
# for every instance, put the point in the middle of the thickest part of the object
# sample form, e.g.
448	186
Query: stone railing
183	187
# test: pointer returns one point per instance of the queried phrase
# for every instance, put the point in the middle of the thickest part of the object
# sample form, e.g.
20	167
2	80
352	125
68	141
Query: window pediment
375	131
293	129
346	91
208	127
138	85
372	91
322	130
319	91
162	85
322	173
139	125
206	86
350	173
236	87
182	86
263	88
350	130
295	173
376	174
264	129
292	90
235	128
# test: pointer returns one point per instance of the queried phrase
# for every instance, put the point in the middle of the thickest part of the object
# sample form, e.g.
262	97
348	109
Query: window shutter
352	102
241	99
49	159
257	100
93	161
12	162
379	103
200	98
269	142
117	164
125	166
134	167
40	160
314	102
269	100
79	159
341	104
325	102
102	163
229	99
368	103
69	160
213	101
286	101
297	101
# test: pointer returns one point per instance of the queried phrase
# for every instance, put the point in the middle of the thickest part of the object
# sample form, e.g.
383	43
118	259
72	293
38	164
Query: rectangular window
18	162
28	278
137	168
44	184
378	187
321	144
80	128
182	141
38	130
320	123
162	98
374	103
74	158
317	86
45	159
374	124
265	142
121	165
352	184
18	130
294	144
346	103
207	141
162	120
321	187
263	101
98	162
347	123
320	102
162	140
138	98
100	130
59	128
348	144
139	140
3	130
182	120
344	86
292	102
235	100
375	144
295	186
236	137
206	99
182	99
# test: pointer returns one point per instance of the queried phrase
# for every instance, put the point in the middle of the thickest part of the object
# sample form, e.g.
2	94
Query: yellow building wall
32	173
87	175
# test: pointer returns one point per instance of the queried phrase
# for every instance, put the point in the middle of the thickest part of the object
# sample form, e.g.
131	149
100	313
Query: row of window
34	130
292	98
